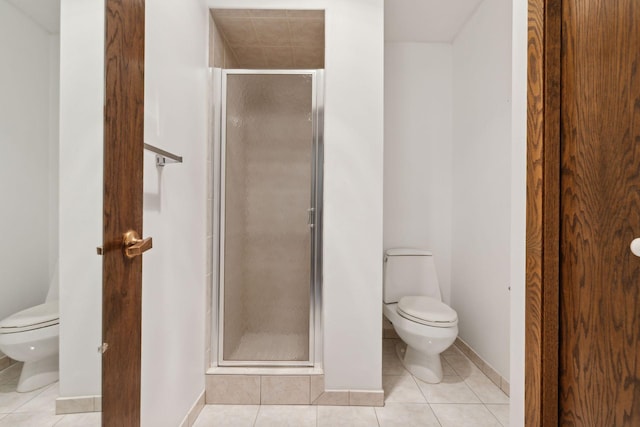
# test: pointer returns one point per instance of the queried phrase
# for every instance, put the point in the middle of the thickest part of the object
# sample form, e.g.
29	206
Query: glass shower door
267	218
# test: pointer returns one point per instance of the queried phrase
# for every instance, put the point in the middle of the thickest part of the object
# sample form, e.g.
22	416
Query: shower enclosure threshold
263	370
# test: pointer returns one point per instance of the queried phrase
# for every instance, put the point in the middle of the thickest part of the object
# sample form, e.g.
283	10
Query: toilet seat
37	317
427	311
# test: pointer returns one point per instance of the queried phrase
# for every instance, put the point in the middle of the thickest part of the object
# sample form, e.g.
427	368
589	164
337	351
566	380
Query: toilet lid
428	311
35	317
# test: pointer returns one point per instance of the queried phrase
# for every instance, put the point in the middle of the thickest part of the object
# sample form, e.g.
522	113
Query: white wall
54	170
27	178
518	209
81	127
482	182
352	294
173	307
418	149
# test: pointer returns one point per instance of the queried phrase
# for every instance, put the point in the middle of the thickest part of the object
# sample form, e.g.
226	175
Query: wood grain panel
123	163
600	297
543	170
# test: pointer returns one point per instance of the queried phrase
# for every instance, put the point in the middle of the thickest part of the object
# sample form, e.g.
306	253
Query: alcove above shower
267	39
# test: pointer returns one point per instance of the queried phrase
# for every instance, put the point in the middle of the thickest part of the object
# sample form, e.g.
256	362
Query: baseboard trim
78	404
486	369
190	419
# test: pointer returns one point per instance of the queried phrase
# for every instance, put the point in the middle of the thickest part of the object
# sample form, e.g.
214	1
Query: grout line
375	412
415	381
494	415
434	415
59	421
33	397
420	388
255	420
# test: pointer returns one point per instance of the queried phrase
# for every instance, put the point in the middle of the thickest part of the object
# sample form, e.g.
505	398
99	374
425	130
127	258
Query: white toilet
31	336
413	304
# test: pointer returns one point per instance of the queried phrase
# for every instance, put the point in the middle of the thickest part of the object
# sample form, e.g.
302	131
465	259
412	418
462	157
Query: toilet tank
409	272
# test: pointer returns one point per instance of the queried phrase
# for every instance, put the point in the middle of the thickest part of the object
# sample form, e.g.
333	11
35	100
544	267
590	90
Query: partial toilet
413	304
31	336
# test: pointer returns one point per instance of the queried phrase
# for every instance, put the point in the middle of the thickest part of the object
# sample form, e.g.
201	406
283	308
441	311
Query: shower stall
269	205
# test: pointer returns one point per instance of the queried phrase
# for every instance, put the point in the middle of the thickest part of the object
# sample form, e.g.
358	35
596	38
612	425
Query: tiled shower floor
465	398
267	346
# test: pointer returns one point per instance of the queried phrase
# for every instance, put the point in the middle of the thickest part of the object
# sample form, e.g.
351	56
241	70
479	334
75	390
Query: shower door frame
316	203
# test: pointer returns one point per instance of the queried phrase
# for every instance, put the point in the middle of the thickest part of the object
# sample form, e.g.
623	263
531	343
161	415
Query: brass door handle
134	245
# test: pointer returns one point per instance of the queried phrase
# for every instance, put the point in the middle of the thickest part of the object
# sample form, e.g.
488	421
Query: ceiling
426	20
273	39
45	13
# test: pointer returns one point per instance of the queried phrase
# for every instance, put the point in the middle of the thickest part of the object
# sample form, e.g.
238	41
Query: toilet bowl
413	305
425	340
31	336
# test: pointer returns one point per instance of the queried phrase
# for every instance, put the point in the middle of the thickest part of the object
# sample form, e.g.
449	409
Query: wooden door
123	163
583	283
599	357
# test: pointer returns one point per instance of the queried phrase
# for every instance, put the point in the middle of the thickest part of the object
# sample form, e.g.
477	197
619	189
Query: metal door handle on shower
311	217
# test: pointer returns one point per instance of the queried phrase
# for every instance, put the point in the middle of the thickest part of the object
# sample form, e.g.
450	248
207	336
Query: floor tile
460	415
450	390
391	365
389	345
501	412
406	415
43	402
462	365
88	419
287	416
30	419
346	416
10	400
227	416
447	369
401	389
486	390
452	351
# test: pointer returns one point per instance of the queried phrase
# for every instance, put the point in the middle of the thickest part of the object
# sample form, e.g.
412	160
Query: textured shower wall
279	147
234	227
220	56
273	130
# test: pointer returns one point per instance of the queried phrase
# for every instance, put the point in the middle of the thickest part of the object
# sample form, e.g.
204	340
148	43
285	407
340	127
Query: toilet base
38	373
425	367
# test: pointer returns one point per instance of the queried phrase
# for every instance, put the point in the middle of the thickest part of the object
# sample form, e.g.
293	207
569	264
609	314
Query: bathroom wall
518	208
174	205
54	170
418	151
81	109
28	177
353	187
481	261
175	197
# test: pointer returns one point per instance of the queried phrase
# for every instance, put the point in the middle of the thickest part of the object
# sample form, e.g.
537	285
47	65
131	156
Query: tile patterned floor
465	398
36	408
